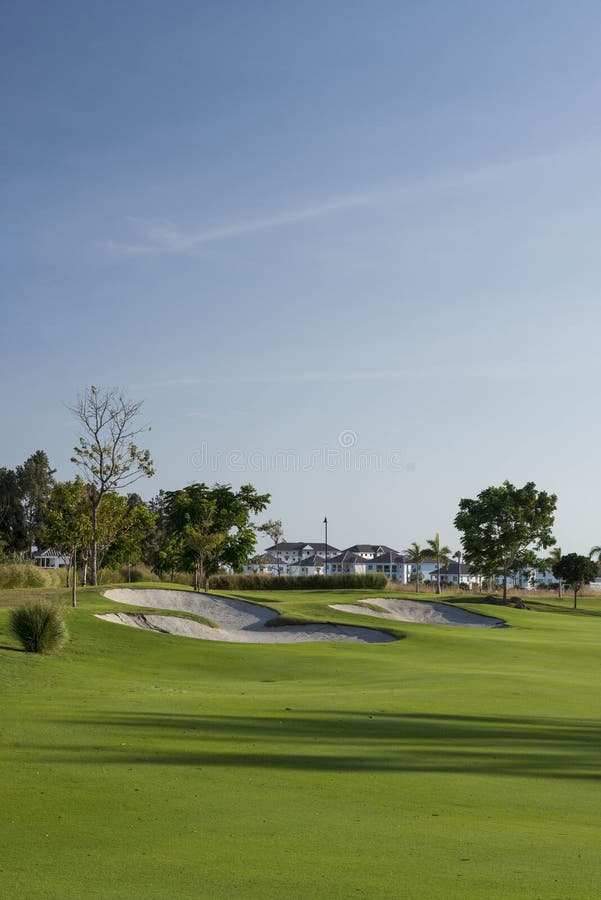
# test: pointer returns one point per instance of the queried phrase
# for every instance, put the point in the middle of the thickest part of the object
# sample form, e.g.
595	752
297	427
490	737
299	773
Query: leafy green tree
68	526
205	546
273	528
107	454
213	525
13	525
159	536
441	555
416	555
168	558
575	570
502	524
36	480
124	524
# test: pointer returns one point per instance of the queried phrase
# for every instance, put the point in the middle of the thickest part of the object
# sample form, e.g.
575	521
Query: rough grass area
456	763
28	575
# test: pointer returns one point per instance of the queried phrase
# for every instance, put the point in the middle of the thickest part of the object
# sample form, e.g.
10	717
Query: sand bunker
237	622
424	612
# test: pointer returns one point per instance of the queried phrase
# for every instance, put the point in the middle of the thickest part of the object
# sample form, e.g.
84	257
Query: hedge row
295	582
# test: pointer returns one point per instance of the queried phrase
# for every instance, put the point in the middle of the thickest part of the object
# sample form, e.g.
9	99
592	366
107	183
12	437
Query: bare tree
107	454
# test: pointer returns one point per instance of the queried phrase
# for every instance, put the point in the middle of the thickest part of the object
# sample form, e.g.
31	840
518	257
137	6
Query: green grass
458	762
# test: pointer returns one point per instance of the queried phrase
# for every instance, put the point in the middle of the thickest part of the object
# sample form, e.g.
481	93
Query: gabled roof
52	553
347	556
287	545
391	556
321	548
266	559
370	548
314	560
301	545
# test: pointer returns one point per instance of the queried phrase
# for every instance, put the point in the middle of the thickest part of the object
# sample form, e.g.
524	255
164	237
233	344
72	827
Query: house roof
314	560
52	553
451	569
347	556
302	545
370	548
321	548
265	559
391	556
287	545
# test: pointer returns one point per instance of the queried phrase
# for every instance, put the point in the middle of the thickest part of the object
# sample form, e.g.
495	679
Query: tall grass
39	626
25	575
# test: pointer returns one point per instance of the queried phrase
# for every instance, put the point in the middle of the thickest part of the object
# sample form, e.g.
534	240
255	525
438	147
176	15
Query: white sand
424	612
237	621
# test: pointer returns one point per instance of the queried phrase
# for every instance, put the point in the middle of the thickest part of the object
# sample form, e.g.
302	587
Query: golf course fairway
452	763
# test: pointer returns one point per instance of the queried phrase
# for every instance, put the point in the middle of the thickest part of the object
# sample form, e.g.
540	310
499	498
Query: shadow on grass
345	742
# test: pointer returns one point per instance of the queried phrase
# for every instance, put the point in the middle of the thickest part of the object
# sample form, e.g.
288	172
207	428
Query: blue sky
347	252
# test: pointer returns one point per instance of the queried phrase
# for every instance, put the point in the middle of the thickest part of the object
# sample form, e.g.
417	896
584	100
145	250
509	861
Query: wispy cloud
163	236
482	370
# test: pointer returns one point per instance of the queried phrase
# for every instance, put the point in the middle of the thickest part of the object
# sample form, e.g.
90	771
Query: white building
455	574
52	559
290	553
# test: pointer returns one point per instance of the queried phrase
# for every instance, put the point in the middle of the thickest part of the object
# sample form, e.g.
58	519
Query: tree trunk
504	585
74	579
84	573
417	578
575	595
438	575
94	568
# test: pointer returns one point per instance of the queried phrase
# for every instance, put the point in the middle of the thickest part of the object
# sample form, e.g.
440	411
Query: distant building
454	573
52	559
291	553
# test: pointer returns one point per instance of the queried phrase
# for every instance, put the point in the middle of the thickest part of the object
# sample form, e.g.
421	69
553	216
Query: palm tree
554	557
416	555
458	555
441	554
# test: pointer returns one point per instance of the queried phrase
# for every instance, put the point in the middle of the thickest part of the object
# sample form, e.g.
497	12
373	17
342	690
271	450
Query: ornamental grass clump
39	626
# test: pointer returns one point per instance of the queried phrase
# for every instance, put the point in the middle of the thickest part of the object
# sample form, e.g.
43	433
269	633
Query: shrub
296	582
39	626
22	575
110	576
126	575
138	573
178	578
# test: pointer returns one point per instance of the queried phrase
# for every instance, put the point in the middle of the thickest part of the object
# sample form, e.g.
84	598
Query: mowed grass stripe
455	762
